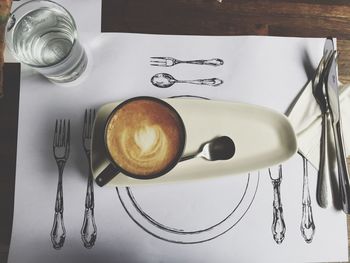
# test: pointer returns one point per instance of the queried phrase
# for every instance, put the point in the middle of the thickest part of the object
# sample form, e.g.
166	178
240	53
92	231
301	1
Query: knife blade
332	91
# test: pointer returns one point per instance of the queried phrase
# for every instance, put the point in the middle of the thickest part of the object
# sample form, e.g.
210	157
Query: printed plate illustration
147	214
236	207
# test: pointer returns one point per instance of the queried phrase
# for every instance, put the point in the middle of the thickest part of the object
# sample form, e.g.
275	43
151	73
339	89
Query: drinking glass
43	35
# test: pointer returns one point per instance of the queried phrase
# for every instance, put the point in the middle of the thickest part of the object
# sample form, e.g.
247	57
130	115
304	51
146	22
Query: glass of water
43	35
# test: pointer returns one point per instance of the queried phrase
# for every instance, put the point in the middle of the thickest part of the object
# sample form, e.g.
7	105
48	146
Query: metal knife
332	91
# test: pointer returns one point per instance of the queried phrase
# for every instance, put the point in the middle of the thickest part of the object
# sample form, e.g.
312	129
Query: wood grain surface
301	18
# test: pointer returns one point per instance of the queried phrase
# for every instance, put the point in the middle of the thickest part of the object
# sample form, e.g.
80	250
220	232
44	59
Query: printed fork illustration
169	62
61	147
88	229
307	225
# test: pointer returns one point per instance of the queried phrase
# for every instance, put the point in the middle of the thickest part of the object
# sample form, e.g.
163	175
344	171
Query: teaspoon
219	148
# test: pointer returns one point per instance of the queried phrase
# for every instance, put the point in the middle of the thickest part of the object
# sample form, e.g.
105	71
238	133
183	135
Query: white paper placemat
268	71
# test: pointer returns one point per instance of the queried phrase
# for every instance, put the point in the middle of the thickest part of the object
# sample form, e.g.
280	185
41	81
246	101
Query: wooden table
303	18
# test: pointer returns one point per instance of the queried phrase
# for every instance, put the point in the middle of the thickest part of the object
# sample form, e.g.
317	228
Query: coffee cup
144	138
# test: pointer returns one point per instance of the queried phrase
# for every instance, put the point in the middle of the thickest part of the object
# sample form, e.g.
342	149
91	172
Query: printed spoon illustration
219	148
164	80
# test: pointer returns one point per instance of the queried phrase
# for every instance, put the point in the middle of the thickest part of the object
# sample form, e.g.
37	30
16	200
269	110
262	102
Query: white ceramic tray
263	137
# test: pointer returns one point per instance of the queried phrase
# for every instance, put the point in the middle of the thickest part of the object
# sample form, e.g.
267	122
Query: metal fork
327	165
61	146
169	62
88	230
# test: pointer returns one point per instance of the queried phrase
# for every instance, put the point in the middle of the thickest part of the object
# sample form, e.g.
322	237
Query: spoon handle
209	82
327	167
188	157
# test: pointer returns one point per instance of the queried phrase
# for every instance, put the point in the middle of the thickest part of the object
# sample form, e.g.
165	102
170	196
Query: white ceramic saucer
263	138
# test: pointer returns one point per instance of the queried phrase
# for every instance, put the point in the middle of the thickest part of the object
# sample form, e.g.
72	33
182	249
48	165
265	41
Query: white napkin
306	119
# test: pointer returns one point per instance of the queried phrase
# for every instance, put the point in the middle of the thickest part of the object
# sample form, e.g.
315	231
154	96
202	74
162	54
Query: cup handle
107	175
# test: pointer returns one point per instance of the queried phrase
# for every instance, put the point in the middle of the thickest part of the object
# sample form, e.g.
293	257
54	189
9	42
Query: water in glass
46	38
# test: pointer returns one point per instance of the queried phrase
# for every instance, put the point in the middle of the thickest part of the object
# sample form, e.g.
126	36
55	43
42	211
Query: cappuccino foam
144	137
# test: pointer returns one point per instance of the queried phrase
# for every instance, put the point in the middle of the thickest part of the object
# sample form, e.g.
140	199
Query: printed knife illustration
278	225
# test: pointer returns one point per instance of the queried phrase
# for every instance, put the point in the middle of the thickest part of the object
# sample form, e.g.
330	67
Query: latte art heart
144	137
147	138
148	145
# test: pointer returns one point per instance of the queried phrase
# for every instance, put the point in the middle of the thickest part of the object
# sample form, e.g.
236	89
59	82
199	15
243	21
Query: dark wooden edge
8	150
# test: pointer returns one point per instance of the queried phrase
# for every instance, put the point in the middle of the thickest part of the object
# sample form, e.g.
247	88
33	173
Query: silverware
326	171
219	148
278	225
88	230
307	225
164	80
333	102
61	146
169	62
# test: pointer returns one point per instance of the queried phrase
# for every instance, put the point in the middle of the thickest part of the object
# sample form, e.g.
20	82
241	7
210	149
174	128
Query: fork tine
64	133
157	57
85	124
325	65
157	60
60	134
55	137
68	138
319	70
321	63
93	115
68	132
90	123
330	57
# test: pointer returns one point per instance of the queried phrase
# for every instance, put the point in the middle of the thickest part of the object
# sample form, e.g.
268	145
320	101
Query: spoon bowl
219	148
163	80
